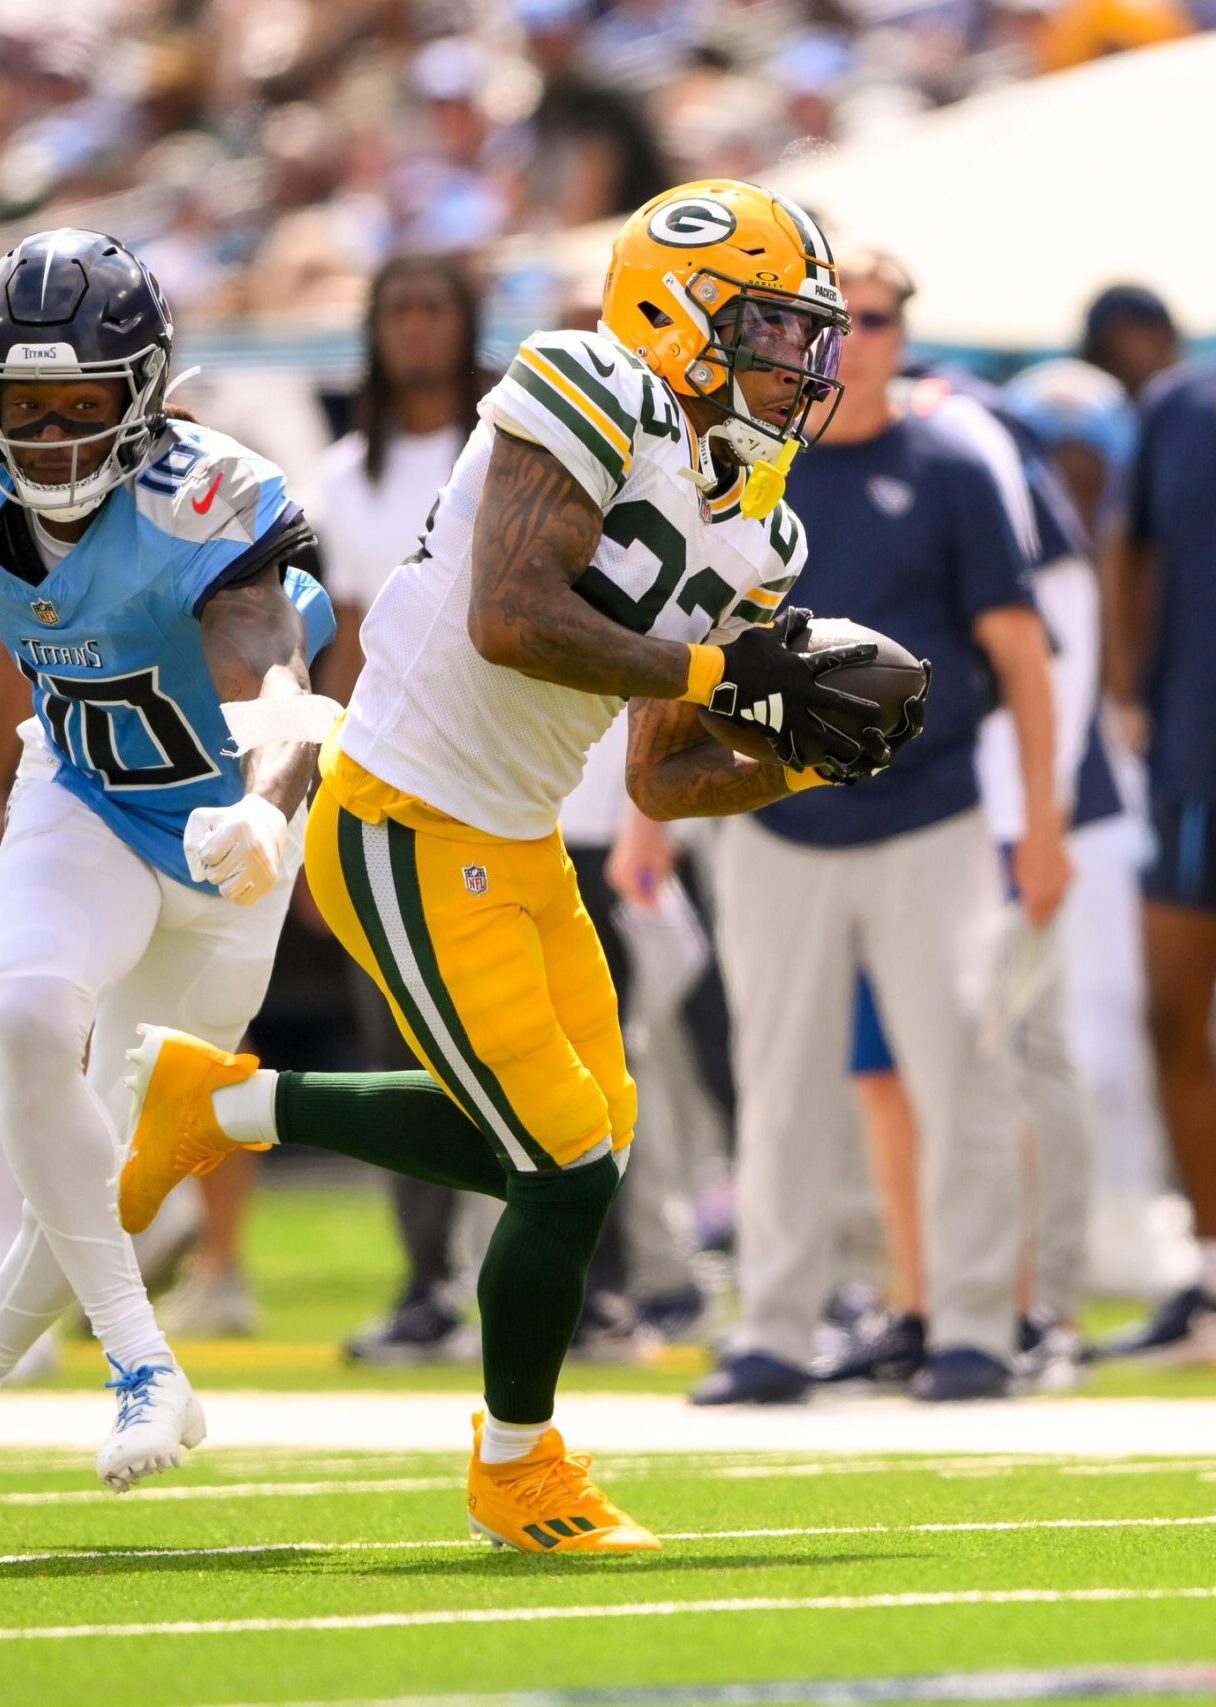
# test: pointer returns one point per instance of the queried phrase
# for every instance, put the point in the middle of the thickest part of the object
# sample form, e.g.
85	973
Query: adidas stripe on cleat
547	1503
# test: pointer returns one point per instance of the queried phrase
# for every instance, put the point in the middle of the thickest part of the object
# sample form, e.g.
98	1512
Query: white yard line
976	1467
637	1609
625	1423
242	1491
830	1529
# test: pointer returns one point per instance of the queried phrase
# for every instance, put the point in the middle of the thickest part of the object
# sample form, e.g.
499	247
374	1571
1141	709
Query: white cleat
158	1415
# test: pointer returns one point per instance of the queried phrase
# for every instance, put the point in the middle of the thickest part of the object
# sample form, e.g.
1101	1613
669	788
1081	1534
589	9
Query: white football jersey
500	750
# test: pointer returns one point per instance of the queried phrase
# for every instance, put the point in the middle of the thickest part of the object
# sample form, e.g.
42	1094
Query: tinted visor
783	334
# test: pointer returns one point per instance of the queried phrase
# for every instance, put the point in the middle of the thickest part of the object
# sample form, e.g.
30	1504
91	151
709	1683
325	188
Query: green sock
531	1284
400	1121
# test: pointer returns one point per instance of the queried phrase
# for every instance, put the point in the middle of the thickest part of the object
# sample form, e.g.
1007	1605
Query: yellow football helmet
712	278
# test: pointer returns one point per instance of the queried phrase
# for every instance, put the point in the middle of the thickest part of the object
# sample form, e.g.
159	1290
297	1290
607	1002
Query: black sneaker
1048	1357
893	1354
673	1317
753	1379
963	1372
1182	1329
422	1330
607	1331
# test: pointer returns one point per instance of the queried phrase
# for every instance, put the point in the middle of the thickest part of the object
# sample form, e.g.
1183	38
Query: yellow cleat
547	1503
173	1130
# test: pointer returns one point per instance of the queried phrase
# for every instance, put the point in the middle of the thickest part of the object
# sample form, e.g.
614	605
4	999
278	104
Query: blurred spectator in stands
70	129
642	44
321	240
813	71
1162	617
447	190
1081	30
415	408
590	149
1131	335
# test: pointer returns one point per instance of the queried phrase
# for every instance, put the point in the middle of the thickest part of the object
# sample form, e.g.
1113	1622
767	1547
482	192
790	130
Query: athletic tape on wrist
306	718
705	667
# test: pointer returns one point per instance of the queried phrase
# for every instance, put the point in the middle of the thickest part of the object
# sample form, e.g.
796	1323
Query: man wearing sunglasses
911	535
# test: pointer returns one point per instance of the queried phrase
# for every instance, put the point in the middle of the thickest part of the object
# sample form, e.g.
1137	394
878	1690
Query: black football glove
766	686
913	720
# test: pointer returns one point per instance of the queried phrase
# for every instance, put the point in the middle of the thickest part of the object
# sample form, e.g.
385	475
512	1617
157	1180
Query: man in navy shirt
1162	611
909	533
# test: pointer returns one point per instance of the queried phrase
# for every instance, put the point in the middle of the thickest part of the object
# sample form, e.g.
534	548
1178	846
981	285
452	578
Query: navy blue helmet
79	305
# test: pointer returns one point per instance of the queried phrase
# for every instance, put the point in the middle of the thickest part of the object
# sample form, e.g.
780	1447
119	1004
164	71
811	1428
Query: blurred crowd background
270	159
266	155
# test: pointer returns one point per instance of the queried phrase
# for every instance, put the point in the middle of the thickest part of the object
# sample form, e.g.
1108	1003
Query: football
889	679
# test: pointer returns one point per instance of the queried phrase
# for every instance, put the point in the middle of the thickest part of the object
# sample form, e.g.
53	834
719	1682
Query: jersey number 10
89	740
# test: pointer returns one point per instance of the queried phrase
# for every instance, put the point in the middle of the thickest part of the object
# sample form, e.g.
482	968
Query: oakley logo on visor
691	225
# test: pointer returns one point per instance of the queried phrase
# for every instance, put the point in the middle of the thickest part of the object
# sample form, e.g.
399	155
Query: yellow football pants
492	968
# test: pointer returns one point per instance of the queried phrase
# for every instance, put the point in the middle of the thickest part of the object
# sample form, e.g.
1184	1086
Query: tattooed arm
536	532
674	769
254	641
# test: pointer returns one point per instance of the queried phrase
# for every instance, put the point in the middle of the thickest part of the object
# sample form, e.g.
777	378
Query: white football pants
93	940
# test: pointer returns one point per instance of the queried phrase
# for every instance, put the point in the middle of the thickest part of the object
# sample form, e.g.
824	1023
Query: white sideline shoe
158	1415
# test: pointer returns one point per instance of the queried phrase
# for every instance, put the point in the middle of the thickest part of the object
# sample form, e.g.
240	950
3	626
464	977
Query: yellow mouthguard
766	484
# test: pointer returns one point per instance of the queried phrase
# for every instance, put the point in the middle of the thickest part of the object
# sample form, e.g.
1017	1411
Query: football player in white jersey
612	531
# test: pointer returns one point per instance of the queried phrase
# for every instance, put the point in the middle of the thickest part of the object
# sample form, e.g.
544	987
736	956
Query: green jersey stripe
353	860
404	864
588	435
595	389
748	611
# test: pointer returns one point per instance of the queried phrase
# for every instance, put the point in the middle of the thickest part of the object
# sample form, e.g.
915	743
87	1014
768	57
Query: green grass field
763	1577
326	1576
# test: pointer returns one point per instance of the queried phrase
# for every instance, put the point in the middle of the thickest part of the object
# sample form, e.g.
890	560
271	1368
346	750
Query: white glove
238	848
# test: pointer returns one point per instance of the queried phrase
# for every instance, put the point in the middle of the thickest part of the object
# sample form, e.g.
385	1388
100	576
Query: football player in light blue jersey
145	869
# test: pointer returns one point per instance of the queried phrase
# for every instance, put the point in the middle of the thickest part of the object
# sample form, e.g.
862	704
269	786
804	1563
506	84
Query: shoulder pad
205	486
579	395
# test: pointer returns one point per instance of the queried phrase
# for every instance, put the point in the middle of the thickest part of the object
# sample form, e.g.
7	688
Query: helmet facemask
131	440
763	330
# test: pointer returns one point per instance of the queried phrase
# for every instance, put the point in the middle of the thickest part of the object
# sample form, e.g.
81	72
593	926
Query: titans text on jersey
110	640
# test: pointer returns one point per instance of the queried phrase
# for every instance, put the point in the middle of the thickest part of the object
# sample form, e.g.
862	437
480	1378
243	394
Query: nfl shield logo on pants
475	879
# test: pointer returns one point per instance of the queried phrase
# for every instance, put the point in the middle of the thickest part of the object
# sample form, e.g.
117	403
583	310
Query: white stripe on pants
920	911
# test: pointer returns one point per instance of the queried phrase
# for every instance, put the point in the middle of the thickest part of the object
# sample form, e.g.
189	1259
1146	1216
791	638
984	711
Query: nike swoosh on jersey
597	364
203	504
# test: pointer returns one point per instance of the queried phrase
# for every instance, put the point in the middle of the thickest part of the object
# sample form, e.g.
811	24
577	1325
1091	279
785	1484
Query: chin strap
766	484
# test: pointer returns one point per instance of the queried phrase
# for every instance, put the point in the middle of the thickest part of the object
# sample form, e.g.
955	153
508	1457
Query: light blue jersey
111	637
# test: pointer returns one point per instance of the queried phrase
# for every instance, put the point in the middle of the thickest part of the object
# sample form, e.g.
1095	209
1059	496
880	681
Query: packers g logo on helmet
695	273
692	224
